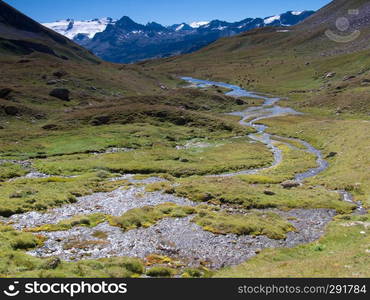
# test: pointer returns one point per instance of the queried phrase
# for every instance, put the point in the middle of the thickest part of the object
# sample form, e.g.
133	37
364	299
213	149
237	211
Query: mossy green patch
23	195
342	252
343	142
160	271
92	220
236	191
11	170
228	155
14	262
295	161
251	223
149	215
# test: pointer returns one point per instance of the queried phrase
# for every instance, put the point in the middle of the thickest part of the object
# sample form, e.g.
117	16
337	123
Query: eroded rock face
62	94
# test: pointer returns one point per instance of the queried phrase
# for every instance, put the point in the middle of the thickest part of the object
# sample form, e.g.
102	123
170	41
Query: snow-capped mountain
126	41
198	24
71	28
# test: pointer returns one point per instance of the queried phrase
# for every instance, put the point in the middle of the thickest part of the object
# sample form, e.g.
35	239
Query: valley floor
210	196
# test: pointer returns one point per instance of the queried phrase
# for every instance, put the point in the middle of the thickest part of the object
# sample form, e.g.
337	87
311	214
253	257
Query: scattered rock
349	77
269	193
290	184
51	82
330	75
62	94
11	110
50	127
365	82
100	120
331	154
240	102
5	92
297	92
24	61
39	116
60	74
52	263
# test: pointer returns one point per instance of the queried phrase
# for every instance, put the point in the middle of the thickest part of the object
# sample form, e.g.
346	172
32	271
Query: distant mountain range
125	41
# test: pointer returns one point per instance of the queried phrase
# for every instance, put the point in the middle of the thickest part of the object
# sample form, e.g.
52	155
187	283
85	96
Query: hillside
22	35
44	73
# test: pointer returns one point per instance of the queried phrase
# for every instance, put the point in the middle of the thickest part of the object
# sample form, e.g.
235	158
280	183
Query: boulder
11	110
290	184
331	154
100	120
60	74
330	75
269	193
5	92
52	263
365	82
62	94
348	77
50	127
240	102
51	82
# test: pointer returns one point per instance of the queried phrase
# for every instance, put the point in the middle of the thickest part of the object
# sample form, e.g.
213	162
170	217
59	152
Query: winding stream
270	109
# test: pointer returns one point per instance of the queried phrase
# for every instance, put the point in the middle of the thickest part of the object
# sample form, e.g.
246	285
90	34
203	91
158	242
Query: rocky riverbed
180	239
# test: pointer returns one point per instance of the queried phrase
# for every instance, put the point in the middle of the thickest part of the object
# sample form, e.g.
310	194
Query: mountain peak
126	23
155	26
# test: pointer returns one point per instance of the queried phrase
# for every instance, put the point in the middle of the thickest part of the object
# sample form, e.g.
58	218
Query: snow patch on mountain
180	27
71	28
272	19
198	24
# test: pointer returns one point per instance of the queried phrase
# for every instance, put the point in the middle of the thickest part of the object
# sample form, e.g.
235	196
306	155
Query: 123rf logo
343	26
70	289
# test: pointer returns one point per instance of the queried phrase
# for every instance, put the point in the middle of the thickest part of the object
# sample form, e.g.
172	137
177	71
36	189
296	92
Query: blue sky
166	12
